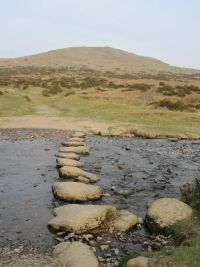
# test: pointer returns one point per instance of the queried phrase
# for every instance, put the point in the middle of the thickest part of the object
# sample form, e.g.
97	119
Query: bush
190	193
27	98
45	92
165	103
173	105
70	93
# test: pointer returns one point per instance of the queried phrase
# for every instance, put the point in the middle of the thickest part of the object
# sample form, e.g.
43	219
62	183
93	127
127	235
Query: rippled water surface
133	171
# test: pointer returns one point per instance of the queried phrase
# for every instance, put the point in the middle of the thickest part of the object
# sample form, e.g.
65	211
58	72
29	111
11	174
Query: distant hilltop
105	58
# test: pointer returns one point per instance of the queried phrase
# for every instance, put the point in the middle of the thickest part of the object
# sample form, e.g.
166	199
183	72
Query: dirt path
47	122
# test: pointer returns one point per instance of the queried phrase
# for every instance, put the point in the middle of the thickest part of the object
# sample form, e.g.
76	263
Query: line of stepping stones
82	219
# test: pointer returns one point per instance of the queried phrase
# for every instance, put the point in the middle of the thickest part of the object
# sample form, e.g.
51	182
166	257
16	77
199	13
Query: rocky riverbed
133	173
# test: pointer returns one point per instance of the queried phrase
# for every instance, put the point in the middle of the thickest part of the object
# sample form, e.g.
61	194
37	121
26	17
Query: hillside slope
105	58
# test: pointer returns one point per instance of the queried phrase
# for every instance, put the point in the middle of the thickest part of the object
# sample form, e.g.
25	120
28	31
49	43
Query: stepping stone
167	212
79	134
75	254
80	218
73	191
138	262
76	139
82	179
124	221
74	172
79	149
68	155
69	162
73	143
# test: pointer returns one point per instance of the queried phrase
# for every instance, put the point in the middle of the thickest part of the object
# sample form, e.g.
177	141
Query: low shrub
190	193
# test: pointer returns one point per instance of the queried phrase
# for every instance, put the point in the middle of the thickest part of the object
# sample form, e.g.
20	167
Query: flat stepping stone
79	149
138	262
124	221
79	134
69	162
73	143
74	172
73	191
82	179
167	212
68	155
80	218
76	139
75	254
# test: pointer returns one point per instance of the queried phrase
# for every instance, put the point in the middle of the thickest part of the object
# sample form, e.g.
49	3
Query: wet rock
138	262
80	218
116	251
165	213
124	221
123	192
69	162
68	155
73	191
75	149
75	254
75	172
104	247
79	134
73	143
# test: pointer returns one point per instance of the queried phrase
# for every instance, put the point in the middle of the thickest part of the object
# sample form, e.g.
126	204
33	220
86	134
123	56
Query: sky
165	29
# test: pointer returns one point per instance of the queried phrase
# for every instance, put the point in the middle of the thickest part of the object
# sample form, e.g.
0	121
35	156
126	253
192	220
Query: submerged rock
73	143
80	218
74	172
69	162
75	254
167	212
124	221
76	191
68	155
75	149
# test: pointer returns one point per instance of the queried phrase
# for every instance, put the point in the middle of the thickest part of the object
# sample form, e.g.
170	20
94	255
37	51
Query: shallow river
133	171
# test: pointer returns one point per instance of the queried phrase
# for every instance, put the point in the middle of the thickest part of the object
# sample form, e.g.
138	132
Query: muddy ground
133	171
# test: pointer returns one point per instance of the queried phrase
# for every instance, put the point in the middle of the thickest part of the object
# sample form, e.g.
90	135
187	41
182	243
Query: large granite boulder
74	172
165	213
80	218
69	162
75	149
75	254
75	191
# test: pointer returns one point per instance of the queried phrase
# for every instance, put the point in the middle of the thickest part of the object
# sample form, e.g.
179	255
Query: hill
105	58
100	85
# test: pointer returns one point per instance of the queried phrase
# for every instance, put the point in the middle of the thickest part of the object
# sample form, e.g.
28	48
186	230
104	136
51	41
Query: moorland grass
123	108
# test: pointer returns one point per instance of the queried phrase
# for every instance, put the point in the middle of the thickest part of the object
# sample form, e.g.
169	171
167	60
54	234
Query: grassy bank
187	254
111	106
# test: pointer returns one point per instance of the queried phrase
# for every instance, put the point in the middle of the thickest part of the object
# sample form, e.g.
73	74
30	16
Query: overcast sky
166	29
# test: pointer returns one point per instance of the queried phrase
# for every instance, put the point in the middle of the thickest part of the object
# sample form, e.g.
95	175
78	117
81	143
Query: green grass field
111	106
